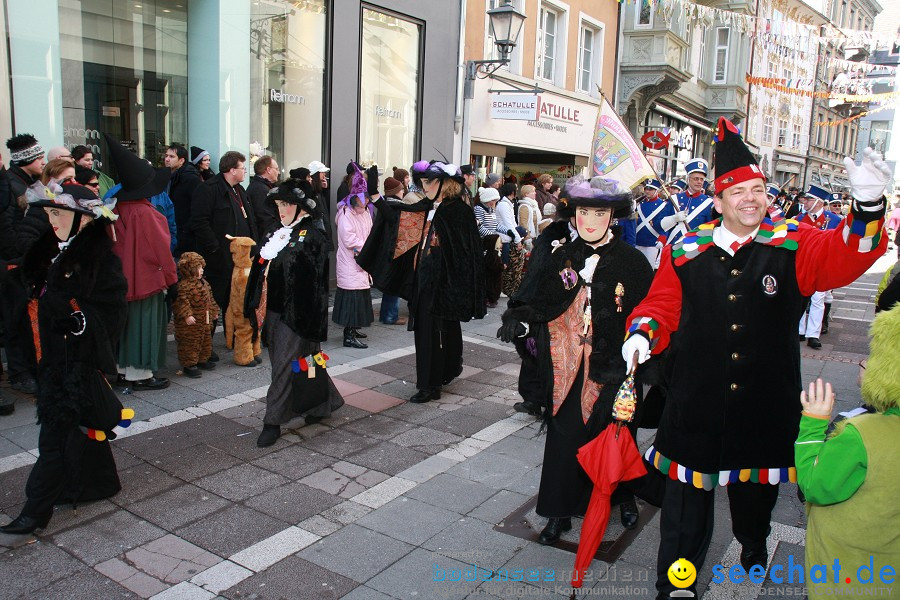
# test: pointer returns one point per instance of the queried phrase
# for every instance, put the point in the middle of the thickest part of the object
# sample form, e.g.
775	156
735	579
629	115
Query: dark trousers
19	342
390	309
686	523
438	347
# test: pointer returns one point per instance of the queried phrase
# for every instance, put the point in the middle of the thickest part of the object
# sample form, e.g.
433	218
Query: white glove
636	343
673	220
868	180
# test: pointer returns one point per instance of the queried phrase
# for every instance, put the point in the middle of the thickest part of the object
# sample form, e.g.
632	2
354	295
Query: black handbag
104	409
309	392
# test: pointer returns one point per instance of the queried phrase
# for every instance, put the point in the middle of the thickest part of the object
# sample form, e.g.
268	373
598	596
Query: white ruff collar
278	240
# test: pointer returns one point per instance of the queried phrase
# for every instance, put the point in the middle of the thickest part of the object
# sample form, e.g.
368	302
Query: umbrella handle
634	362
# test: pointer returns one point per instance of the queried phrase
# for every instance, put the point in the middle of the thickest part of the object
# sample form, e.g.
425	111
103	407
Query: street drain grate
526	524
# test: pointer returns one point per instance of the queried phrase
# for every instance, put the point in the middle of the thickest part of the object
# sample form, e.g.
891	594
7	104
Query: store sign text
548	126
515	107
557	112
285	98
390	113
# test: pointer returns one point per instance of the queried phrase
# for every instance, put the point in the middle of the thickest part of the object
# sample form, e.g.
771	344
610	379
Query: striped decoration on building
707	481
862	236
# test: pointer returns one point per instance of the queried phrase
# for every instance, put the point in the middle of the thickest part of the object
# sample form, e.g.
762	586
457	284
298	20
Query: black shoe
357	333
121	381
423	396
7	406
269	436
814	343
352	342
802	338
252	363
528	407
257	359
151	383
22	525
311	420
25	385
628	513
751	557
192	372
213	357
554	529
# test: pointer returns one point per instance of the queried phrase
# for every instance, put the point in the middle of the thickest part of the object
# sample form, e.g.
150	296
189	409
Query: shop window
389	90
287	79
723	37
124	72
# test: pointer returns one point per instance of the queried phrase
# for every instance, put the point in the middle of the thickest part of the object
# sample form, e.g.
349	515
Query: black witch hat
734	162
137	177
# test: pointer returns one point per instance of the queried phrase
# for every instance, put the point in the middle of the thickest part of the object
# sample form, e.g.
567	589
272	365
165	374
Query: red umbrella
609	458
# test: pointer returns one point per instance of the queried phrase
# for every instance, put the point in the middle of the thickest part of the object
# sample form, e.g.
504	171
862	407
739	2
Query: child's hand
820	400
192	321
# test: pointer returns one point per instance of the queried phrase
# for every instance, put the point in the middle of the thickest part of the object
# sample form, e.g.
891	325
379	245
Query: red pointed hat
734	161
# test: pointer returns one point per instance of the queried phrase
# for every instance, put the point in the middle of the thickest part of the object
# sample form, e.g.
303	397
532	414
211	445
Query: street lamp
505	26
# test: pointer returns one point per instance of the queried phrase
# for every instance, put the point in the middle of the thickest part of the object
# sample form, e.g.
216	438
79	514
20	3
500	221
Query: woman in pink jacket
352	301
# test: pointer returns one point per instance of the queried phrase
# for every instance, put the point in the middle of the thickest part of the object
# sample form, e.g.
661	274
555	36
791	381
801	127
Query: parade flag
614	153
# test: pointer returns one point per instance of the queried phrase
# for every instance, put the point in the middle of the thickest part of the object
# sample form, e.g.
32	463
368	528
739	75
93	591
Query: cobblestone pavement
383	500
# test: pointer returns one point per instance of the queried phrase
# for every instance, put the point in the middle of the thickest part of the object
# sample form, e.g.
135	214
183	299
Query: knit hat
299	173
400	174
596	193
734	161
488	194
138	178
197	154
25	149
467	170
491	179
880	384
392	187
74	197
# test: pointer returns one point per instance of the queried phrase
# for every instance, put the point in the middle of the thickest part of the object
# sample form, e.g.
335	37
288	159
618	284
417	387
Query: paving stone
171	559
293	502
474	542
382	493
222	576
195	462
492	470
293	578
499	506
179	506
366	593
551	567
31	567
403	389
526	451
413	413
386	457
366	378
408	520
378	426
23	436
243	445
356	552
346	512
459	423
400	369
497	379
294	462
141	584
231	530
319	525
157	443
421	577
143	481
241	482
106	537
66	517
426	469
338	443
487	410
85	583
372	400
451	492
12	487
184	591
425	439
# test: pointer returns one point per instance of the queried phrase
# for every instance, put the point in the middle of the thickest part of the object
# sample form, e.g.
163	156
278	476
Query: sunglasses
92	184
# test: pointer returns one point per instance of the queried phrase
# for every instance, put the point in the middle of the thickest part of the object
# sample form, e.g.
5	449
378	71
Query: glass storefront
389	90
287	79
124	72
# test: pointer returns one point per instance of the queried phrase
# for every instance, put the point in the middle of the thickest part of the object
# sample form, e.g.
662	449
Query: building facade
678	75
563	61
329	80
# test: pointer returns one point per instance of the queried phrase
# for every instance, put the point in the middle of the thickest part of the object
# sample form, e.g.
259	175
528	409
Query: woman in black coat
81	313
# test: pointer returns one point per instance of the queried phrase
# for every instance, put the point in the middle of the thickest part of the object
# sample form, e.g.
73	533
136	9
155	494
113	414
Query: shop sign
515	107
110	111
281	97
389	113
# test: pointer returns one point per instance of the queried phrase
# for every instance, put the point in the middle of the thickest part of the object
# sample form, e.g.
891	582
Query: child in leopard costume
194	309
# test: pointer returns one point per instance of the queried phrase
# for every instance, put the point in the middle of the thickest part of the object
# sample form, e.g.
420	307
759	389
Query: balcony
651	59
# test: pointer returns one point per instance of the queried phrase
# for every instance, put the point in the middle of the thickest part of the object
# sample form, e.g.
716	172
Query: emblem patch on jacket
769	285
569	276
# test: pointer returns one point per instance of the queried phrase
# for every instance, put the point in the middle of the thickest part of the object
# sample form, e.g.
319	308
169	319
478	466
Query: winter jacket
163	204
142	243
182	185
353	229
28	225
264	209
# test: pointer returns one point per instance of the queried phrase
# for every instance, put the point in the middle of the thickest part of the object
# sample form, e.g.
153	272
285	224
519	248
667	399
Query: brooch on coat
557	244
620	293
569	276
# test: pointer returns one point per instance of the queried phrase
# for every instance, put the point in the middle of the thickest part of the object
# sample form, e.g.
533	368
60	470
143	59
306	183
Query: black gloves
372	180
510	330
74	323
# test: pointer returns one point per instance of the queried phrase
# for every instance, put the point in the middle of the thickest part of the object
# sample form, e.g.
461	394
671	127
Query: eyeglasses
238	168
92	184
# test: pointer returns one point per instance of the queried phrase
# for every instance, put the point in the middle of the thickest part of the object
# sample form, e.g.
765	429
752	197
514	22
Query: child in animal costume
851	478
239	334
194	309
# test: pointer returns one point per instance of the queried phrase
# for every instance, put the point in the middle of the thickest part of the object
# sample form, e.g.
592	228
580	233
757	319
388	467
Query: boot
269	436
7	405
22	525
553	530
825	318
351	341
357	333
628	513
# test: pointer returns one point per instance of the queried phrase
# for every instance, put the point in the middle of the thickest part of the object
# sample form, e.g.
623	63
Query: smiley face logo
682	573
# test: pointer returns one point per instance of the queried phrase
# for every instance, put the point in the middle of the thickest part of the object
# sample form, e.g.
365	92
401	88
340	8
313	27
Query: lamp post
506	25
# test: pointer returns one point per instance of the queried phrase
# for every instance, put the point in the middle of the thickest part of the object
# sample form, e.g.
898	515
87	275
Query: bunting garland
782	86
855	117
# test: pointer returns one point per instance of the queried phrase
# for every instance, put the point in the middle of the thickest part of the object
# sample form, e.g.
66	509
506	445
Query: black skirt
353	308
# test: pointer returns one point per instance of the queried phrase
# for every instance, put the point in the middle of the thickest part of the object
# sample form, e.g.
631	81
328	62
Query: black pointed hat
137	177
734	162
